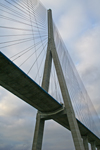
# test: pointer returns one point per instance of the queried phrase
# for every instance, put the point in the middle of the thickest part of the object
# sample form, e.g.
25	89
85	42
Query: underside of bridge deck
16	81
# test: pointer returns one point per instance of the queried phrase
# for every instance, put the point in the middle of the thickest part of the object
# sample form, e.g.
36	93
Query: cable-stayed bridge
30	36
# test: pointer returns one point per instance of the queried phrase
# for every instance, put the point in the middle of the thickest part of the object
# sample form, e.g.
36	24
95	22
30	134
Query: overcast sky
78	22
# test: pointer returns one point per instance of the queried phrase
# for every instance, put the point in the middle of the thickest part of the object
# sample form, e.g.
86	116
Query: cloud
73	22
94	9
87	50
17	122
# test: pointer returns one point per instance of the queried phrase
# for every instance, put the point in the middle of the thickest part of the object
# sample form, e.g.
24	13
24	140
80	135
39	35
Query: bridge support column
93	146
98	147
38	135
85	142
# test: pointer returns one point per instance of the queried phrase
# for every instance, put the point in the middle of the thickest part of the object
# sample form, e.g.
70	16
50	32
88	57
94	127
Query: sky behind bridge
79	25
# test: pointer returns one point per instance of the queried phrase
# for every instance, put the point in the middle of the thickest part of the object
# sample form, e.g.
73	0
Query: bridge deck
17	82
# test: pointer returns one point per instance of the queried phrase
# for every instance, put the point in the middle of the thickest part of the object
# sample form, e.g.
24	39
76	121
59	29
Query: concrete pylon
93	146
38	134
85	142
39	127
52	53
66	98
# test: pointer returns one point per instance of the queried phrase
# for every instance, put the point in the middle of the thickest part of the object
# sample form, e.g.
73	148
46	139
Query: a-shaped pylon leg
38	135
